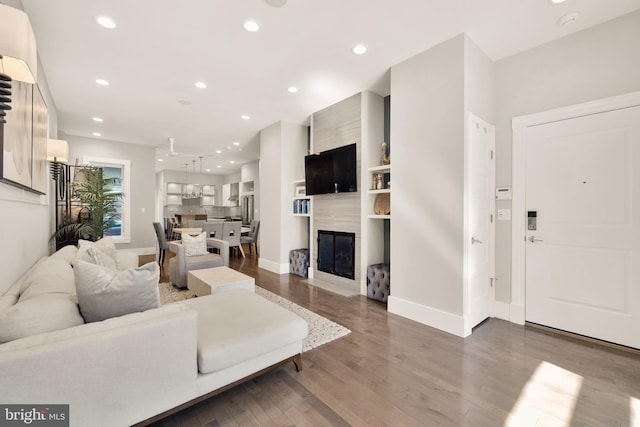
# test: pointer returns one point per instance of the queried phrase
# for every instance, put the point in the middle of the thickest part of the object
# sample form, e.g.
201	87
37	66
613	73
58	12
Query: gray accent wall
336	126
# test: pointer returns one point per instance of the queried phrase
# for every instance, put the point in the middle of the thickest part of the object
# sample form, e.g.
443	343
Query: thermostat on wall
503	193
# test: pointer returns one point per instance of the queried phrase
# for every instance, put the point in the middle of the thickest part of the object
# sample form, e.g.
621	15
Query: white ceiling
160	48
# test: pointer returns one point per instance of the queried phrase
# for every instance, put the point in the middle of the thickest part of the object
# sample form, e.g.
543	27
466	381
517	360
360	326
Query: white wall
282	149
427	131
143	181
29	217
595	63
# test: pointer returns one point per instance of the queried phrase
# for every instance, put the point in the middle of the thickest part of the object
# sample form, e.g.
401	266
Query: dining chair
162	242
213	229
252	237
231	233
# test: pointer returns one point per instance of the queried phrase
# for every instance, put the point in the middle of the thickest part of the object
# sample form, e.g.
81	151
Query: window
120	169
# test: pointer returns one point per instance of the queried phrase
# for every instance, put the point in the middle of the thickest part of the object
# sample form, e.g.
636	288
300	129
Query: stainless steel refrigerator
246	211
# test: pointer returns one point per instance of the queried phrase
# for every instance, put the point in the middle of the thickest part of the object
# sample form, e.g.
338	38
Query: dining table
192	231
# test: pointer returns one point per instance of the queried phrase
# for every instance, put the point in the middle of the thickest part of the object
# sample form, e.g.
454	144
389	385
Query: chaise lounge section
142	366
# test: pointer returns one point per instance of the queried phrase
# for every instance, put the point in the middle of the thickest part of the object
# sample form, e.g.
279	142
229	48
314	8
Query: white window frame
125	165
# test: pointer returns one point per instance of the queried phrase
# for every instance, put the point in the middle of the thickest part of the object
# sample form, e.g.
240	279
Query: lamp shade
18	55
57	151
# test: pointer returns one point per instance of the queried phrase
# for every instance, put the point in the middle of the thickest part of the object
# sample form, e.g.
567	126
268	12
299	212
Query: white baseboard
272	266
516	314
501	310
426	315
513	313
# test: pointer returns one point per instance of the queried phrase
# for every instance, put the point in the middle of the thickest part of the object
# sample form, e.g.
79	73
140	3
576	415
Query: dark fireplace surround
336	253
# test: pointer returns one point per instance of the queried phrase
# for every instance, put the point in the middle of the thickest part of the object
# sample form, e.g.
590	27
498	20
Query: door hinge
491	154
491	218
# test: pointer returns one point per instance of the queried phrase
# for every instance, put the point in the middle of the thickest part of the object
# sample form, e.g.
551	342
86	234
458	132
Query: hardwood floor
393	371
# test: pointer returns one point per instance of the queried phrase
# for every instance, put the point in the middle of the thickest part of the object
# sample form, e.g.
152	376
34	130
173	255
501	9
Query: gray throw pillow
104	293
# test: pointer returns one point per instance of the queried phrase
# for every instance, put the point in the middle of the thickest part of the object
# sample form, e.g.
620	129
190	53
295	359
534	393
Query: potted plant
98	202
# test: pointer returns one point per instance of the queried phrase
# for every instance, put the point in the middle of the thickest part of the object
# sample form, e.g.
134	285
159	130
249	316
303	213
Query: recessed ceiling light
207	170
105	22
245	117
98	119
218	166
228	147
568	19
231	161
184	102
292	89
557	1
359	49
218	151
161	160
96	134
201	85
102	82
251	26
276	3
236	143
239	148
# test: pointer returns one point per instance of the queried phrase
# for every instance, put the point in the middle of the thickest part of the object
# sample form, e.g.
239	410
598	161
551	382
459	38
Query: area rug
321	329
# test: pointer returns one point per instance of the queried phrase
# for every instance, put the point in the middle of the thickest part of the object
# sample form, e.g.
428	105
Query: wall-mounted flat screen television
331	171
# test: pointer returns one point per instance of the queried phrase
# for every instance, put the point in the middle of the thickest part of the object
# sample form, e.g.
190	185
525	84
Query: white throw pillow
92	254
104	293
105	244
195	245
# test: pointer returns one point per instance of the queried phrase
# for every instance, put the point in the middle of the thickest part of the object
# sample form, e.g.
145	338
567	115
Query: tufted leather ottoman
378	282
299	262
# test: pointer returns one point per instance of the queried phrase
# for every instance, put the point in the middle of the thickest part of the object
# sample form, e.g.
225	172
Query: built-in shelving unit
301	205
380	178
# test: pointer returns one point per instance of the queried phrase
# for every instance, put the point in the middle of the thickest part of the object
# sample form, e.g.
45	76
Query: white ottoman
218	279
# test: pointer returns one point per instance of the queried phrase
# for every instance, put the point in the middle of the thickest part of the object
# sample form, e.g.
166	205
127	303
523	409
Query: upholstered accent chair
181	264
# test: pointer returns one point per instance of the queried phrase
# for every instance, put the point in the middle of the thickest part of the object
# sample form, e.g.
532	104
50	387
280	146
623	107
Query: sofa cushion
90	253
42	300
43	313
105	244
240	326
65	253
104	293
49	276
195	245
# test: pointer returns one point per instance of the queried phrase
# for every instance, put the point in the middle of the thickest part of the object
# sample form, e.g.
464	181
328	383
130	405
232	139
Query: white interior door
583	257
480	235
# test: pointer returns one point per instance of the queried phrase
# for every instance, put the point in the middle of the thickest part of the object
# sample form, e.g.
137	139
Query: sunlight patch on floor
548	399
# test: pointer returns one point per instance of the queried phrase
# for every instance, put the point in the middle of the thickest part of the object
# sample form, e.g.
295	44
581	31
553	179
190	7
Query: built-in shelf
306	215
379	216
380	169
384	190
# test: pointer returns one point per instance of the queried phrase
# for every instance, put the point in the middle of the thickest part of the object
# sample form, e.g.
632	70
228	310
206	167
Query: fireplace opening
336	253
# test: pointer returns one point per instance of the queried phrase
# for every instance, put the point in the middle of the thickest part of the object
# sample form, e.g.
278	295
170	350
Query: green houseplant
98	203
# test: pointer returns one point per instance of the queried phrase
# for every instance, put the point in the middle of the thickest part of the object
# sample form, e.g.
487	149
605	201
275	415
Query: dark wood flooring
391	371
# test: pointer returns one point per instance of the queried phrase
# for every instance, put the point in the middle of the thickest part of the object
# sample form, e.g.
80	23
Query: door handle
533	239
474	240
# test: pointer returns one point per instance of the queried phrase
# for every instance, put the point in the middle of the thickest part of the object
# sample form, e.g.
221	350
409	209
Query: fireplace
336	253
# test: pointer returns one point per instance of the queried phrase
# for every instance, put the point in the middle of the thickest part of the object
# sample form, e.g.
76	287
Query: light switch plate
504	214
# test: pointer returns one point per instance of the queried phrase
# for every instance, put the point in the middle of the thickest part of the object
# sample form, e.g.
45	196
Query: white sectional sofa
136	367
